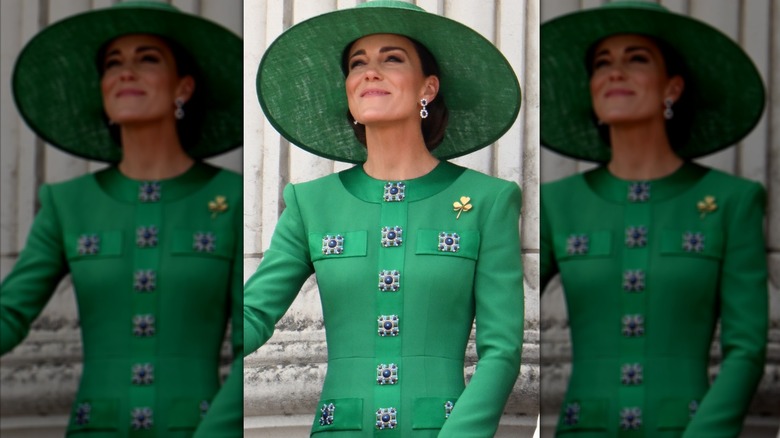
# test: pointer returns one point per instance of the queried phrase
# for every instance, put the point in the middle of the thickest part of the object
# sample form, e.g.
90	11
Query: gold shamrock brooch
218	205
706	205
463	205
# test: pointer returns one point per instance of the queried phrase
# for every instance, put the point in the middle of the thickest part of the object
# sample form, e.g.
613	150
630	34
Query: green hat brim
300	82
56	82
728	93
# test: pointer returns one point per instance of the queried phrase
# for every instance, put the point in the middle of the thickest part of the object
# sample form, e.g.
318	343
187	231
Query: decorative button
577	244
204	408
392	236
88	244
693	407
144	280
326	414
143	374
639	191
332	244
633	325
630	418
149	192
634	280
395	192
142	418
636	237
449	242
81	416
631	374
386	418
143	325
571	414
389	281
388	325
448	409
146	237
387	374
693	242
204	242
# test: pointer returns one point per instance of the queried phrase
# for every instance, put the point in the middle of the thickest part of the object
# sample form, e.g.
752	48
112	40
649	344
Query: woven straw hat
727	93
56	82
300	82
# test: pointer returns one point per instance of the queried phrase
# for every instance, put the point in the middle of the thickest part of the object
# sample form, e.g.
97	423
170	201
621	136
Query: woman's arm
285	266
225	415
547	264
743	327
498	292
40	267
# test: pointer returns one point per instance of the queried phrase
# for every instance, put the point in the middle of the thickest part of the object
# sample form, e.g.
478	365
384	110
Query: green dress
157	272
648	269
401	280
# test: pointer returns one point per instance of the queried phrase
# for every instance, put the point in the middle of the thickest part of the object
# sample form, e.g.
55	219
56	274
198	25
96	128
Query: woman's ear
675	88
185	88
431	88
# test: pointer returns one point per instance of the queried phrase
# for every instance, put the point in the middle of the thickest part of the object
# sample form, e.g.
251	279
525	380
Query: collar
369	189
618	190
125	189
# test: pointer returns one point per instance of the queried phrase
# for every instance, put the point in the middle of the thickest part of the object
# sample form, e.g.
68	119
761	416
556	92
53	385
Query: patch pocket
449	243
586	414
432	412
675	413
87	246
338	414
186	413
577	245
336	245
94	415
204	242
692	243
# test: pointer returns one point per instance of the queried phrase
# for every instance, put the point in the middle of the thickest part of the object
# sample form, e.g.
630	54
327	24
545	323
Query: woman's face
385	81
140	82
629	81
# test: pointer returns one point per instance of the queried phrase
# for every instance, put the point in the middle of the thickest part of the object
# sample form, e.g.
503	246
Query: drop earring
668	112
179	113
424	110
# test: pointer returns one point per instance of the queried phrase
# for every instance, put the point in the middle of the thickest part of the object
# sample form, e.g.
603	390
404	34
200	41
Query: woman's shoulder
482	182
728	183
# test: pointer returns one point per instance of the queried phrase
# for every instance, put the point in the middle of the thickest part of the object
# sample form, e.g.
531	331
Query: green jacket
157	273
648	270
399	298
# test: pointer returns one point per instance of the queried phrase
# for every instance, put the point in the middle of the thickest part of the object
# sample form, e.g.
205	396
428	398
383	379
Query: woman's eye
393	58
111	63
642	59
599	63
355	63
150	58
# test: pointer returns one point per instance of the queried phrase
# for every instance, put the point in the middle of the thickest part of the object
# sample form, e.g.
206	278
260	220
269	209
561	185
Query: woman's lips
129	92
618	92
373	92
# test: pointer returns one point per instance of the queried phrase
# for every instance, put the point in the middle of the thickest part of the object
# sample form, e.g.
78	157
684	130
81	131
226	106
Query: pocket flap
582	244
586	414
207	243
93	245
338	414
344	244
94	414
432	412
692	242
451	243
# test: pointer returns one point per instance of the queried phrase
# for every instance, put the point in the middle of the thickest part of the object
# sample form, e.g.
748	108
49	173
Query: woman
407	249
661	249
152	243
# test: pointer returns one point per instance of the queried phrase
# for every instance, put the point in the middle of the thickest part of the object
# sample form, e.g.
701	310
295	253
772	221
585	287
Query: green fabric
300	81
56	82
195	294
439	296
715	64
686	294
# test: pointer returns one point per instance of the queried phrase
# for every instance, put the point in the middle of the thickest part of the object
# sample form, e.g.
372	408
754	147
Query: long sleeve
743	318
285	266
28	287
498	293
225	416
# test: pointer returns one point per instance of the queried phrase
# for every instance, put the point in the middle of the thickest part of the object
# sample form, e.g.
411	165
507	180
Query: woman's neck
397	154
642	152
152	153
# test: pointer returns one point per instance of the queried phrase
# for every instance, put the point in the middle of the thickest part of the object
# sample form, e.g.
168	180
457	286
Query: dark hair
434	126
678	129
188	128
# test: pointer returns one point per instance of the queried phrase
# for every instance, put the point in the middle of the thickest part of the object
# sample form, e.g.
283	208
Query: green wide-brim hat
727	94
56	82
300	82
